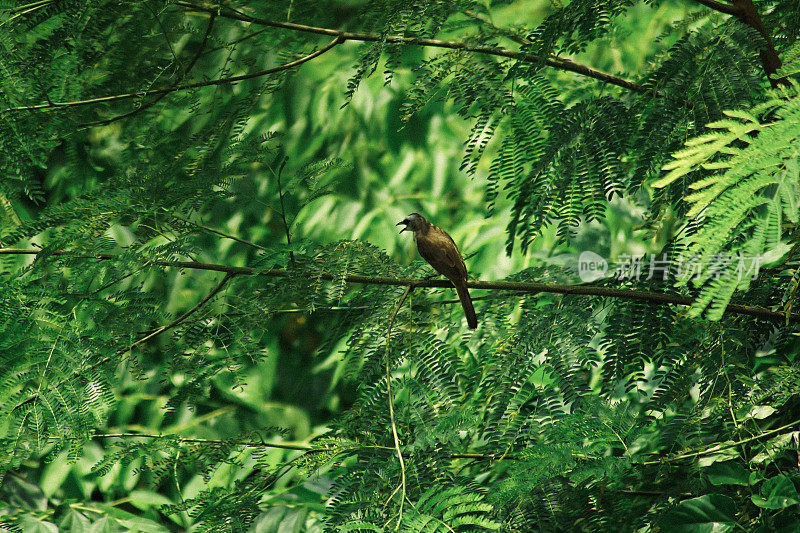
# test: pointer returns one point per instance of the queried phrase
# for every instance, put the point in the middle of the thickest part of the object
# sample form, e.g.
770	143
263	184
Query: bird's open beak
403	222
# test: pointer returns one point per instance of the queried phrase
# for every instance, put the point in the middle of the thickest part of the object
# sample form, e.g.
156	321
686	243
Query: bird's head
413	222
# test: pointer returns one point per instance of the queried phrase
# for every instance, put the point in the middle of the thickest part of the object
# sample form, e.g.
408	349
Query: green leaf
773	448
131	521
728	473
776	493
143	499
31	524
755	478
760	411
704	514
106	525
54	474
360	526
721	452
74	522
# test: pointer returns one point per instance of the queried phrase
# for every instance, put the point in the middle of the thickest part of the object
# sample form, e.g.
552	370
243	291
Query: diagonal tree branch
476	456
218	232
25	9
183	317
161	96
722	7
566	64
188	440
721	446
659	298
770	61
747	13
552	61
164	90
744	10
119	354
308	448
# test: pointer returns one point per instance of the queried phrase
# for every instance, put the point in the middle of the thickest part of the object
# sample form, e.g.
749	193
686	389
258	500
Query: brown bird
439	249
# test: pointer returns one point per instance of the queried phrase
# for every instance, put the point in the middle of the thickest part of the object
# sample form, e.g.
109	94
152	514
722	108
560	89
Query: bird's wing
439	249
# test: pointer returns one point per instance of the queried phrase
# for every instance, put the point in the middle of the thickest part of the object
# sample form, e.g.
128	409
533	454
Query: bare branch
552	61
722	7
514	286
747	12
220	233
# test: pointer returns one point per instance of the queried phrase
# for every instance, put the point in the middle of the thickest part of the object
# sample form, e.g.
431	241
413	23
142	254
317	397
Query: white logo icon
591	266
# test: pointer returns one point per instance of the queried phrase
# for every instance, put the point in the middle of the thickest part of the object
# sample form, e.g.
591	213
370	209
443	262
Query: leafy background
587	413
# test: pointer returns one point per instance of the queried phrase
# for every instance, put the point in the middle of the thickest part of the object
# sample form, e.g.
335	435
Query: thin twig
24	10
47	364
200	48
654	493
722	446
117	280
514	36
235	41
184	316
178	484
160	97
567	64
118	355
730	392
283	207
285	445
188	440
220	233
396	438
32	5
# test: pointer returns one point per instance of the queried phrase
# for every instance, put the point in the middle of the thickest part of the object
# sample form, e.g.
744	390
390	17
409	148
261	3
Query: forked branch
747	13
195	85
551	61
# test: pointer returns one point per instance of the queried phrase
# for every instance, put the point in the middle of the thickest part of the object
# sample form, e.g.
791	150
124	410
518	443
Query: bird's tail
466	303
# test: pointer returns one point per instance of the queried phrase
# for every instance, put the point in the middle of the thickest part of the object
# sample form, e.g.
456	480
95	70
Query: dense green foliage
197	227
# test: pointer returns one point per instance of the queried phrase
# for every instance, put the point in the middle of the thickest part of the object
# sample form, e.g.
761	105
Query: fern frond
747	191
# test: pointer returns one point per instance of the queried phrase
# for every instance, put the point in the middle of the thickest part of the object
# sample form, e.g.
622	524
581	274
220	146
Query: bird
440	250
